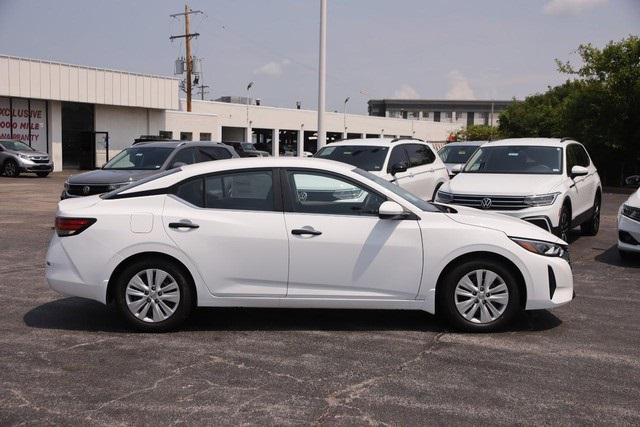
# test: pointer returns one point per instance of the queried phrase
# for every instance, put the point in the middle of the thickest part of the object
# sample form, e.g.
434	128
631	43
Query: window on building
485	118
165	134
186	136
205	136
470	118
24	120
459	116
436	116
448	116
426	115
412	114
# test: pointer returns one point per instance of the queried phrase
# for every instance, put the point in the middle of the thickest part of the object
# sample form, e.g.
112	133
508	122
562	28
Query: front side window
582	157
516	159
419	154
365	157
457	153
315	192
140	158
186	156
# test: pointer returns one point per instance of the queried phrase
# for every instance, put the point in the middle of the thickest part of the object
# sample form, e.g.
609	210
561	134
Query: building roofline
47	61
441	101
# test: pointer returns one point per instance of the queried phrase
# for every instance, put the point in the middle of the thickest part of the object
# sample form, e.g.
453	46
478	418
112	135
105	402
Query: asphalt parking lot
71	361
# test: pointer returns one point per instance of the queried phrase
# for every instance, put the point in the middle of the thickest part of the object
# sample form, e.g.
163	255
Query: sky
433	49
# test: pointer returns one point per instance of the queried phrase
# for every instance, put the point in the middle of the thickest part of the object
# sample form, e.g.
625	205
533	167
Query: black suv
247	149
142	160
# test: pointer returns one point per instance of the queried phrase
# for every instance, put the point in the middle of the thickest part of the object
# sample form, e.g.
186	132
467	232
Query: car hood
634	200
29	153
512	227
502	184
110	176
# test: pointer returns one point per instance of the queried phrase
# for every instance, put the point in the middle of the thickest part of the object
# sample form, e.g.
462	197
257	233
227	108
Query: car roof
548	142
454	143
173	144
236	163
376	142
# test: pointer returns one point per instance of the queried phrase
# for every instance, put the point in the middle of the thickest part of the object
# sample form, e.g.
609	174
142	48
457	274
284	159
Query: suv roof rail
566	138
405	138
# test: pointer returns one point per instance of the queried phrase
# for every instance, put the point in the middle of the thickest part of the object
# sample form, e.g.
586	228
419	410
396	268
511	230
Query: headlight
542	248
541	200
116	186
631	212
66	185
23	156
443	197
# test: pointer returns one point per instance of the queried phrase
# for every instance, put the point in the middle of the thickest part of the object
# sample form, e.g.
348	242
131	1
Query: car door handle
303	231
183	225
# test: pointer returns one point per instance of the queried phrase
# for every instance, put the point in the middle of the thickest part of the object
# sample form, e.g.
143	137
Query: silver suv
17	157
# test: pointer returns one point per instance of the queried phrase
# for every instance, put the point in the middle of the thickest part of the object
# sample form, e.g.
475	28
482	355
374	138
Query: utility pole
187	36
202	91
322	74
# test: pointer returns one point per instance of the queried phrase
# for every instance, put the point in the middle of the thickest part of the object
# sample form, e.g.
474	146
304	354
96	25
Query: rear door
399	156
232	227
340	248
421	159
581	197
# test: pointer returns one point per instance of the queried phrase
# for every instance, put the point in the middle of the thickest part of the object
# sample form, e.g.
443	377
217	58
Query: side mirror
455	170
178	165
398	167
390	210
633	180
577	171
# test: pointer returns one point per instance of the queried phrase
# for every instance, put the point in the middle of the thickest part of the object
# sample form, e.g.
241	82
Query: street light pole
249	86
322	71
344	114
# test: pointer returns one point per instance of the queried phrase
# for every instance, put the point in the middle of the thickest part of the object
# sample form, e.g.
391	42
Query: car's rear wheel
154	295
480	296
11	168
42	174
592	226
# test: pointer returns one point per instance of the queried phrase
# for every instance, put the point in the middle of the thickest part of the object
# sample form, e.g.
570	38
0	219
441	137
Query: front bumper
30	166
546	217
628	234
556	278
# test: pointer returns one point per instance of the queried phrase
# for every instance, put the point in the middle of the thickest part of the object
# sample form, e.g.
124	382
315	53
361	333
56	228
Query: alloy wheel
481	296
564	224
10	169
152	295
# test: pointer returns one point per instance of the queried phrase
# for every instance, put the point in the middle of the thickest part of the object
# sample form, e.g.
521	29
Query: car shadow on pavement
77	314
612	257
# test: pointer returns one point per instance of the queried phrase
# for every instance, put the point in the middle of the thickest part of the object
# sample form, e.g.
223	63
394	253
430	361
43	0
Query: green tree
478	133
599	106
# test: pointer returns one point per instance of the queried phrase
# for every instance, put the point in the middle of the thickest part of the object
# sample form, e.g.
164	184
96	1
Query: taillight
72	226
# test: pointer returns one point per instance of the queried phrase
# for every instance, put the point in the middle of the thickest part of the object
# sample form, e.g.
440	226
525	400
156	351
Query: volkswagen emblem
86	189
485	203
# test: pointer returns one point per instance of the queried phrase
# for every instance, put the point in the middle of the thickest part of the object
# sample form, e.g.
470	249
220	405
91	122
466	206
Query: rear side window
186	156
192	191
419	154
398	155
213	153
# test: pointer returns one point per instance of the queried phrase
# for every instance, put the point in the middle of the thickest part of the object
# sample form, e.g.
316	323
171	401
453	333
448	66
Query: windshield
140	158
457	153
16	146
247	147
399	191
369	158
516	159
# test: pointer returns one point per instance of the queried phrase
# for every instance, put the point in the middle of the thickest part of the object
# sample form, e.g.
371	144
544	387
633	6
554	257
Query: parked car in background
410	163
247	149
456	154
327	235
140	161
629	225
16	157
547	181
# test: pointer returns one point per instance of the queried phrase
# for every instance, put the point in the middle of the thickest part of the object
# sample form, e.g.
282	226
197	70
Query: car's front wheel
11	168
479	296
154	295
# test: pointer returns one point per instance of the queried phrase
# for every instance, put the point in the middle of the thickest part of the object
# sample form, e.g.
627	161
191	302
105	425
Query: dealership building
82	116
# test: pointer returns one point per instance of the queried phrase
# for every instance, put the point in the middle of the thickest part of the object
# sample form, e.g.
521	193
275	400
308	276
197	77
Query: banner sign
24	120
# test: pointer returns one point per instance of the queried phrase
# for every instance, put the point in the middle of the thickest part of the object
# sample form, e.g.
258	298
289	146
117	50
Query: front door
339	248
233	230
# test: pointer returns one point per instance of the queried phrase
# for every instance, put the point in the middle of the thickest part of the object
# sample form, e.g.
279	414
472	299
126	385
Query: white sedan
304	233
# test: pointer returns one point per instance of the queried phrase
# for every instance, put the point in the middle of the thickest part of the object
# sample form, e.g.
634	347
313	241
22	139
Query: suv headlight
541	200
23	156
443	197
542	248
631	212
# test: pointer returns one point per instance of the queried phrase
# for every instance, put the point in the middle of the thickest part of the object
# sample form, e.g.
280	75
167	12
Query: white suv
410	163
549	182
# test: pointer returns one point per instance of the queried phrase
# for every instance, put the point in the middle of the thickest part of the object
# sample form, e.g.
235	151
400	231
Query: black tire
447	296
564	226
183	308
10	168
592	225
435	191
42	174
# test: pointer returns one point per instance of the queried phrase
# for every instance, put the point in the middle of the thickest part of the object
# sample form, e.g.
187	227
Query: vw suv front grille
501	203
